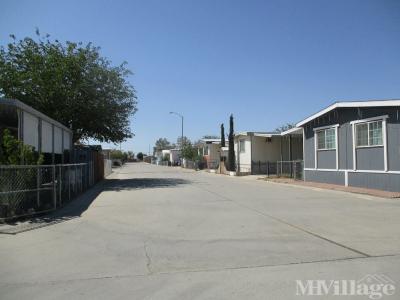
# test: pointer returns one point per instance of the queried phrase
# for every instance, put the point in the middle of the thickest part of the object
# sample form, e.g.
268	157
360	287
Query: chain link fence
291	169
29	190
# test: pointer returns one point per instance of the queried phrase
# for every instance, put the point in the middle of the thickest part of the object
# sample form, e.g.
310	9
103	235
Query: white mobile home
34	128
210	149
254	151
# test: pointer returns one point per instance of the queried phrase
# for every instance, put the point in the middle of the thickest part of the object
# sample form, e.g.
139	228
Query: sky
267	62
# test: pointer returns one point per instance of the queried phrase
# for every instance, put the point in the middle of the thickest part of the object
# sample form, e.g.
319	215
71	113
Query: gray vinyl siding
367	158
370	158
326	159
393	146
345	140
309	148
380	181
332	177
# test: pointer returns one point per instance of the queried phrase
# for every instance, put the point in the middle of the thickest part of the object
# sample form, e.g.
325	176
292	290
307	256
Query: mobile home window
369	134
205	150
242	147
326	139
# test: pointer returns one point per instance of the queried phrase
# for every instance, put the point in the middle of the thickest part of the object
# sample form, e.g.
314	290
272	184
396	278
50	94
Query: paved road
166	233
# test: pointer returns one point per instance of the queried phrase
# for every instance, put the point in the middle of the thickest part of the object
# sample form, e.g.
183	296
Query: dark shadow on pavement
80	204
71	210
142	183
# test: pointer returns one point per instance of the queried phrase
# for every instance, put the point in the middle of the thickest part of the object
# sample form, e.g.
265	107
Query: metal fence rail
28	190
292	169
265	168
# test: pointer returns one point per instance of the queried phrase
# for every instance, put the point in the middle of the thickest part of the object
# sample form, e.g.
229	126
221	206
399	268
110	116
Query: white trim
374	103
354	171
337	147
315	150
384	138
346	178
326	127
294	130
384	117
353	129
368	132
371	146
304	138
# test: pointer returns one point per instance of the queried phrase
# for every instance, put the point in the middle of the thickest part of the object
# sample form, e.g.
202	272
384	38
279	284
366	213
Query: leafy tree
139	156
14	152
72	83
185	142
116	154
231	144
130	155
222	135
188	151
162	144
285	127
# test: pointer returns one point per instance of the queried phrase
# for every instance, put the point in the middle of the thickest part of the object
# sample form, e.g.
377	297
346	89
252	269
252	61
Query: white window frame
384	139
324	130
368	135
242	149
336	149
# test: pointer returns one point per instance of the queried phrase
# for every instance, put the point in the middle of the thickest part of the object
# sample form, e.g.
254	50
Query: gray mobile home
354	144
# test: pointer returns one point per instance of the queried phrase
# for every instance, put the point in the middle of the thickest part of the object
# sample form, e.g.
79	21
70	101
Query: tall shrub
14	152
231	151
222	135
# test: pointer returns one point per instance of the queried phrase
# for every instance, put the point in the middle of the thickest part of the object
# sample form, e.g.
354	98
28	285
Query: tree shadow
80	204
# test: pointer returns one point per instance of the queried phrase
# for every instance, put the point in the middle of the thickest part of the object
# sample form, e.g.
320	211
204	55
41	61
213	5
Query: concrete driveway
154	232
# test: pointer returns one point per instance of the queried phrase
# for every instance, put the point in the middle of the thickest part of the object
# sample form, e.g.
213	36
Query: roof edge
348	104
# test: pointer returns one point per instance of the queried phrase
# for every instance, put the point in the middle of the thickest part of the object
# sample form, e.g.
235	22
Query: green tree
72	83
184	142
130	154
117	154
14	152
222	135
162	144
231	144
139	156
188	151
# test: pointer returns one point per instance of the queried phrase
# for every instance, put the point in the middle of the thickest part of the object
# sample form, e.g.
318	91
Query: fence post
60	185
53	175
267	168
291	168
294	170
38	186
81	178
69	183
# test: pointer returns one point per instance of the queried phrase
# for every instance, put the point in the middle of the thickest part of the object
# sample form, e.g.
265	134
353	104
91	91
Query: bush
140	156
14	152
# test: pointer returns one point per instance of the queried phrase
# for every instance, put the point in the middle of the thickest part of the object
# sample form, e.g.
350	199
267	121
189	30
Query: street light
179	115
